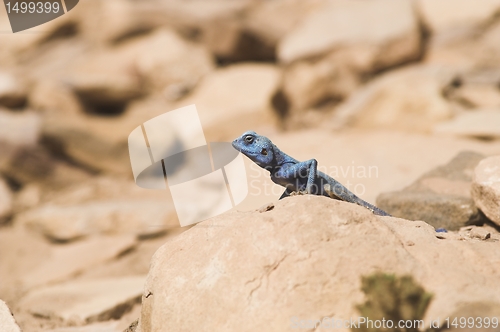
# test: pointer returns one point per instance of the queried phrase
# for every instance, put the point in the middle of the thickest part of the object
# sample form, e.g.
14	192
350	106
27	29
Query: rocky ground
399	100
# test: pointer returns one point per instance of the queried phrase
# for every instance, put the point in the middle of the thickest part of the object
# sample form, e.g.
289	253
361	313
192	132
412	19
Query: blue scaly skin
294	175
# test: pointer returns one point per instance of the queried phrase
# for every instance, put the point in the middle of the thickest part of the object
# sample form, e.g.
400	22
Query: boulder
441	197
113	76
376	34
313	84
327	58
469	43
486	187
236	98
7	321
85	301
409	99
481	123
68	223
171	62
272	20
61	264
304	260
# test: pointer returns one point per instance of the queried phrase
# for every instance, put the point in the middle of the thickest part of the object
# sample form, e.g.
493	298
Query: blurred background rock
401	85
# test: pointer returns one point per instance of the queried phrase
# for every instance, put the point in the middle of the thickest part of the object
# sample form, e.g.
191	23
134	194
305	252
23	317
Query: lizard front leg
313	170
297	172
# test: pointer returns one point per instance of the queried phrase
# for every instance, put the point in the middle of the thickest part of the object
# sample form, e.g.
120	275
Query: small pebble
266	207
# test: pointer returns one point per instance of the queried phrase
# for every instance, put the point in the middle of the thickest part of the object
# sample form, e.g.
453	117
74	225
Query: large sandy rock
67	223
376	33
310	84
7	321
254	271
466	34
272	20
111	77
440	197
236	98
486	188
407	99
337	44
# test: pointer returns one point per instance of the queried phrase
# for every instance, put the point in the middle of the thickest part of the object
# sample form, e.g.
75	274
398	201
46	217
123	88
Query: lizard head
258	148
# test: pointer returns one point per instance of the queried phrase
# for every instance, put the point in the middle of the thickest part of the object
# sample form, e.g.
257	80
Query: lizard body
294	175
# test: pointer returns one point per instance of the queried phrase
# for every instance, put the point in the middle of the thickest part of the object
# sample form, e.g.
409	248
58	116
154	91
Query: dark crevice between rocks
64	31
488	222
249	48
281	105
56	150
424	35
108	108
137	32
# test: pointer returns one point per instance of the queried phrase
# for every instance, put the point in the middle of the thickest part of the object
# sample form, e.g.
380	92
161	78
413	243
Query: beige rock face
223	96
61	263
409	99
307	84
7	321
19	128
257	271
272	20
483	123
486	187
376	33
85	301
67	223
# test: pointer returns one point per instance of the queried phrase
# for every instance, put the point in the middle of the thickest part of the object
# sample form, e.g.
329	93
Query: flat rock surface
61	263
256	271
85	301
486	187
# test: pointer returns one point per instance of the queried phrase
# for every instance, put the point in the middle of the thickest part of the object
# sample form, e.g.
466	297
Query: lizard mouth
236	146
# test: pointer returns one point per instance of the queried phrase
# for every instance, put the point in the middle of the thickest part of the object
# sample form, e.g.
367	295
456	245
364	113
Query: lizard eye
249	139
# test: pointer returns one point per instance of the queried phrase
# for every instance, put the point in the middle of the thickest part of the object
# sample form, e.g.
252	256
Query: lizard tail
346	195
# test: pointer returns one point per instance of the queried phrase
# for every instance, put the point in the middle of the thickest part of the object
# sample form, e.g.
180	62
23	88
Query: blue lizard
294	175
